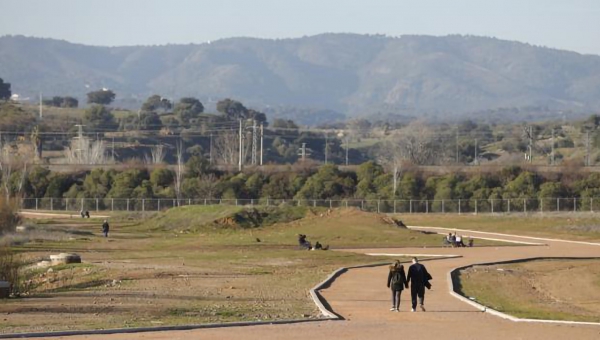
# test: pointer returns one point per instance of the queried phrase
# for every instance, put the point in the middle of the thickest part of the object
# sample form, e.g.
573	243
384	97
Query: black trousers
417	291
396	298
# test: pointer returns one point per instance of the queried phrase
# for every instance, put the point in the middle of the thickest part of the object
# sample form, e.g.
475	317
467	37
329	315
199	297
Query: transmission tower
254	142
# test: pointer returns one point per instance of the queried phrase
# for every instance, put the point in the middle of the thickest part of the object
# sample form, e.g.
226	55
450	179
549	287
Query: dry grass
549	289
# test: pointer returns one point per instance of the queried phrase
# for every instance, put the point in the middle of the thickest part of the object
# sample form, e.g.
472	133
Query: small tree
98	116
188	108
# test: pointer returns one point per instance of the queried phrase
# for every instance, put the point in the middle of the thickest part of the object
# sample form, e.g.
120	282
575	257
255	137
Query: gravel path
361	297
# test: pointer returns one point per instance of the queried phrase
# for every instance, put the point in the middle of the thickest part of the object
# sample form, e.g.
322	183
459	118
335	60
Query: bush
10	268
9	218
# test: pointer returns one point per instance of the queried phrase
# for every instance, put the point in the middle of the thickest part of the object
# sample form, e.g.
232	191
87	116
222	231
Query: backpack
397	281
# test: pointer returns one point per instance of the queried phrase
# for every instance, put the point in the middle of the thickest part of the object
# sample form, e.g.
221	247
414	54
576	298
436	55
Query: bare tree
157	155
179	171
418	144
207	186
84	151
9	163
226	147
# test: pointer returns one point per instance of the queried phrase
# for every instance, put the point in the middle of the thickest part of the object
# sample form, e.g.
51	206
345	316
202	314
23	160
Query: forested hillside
351	74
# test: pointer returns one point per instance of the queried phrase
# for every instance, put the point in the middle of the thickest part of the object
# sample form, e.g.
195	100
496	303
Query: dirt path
361	297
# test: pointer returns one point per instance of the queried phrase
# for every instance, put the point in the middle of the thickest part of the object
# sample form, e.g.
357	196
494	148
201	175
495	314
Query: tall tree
4	90
188	108
156	103
102	97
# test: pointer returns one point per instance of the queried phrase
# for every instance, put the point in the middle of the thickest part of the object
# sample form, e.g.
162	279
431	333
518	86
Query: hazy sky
565	24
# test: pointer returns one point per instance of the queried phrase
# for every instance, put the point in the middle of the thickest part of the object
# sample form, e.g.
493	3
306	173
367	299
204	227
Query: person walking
105	228
418	277
396	281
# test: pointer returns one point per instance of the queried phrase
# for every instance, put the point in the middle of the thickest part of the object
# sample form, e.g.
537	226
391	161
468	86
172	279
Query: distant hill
353	74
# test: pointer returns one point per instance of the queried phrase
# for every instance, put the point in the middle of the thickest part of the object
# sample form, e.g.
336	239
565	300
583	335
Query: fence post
314	203
492	205
557	204
82	203
591	205
66	204
508	205
36	204
476	211
158	205
443	208
97	206
330	206
410	206
427	206
128	204
346	203
394	206
112	204
52	204
143	204
524	205
575	204
459	206
542	205
175	202
189	201
362	205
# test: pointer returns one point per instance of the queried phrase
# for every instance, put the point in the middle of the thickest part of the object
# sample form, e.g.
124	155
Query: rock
65	258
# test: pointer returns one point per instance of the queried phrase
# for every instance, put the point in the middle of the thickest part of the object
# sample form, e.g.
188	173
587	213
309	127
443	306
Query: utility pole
80	137
530	147
552	154
303	152
210	150
41	107
346	150
476	156
326	147
261	142
457	154
254	142
587	149
113	149
240	151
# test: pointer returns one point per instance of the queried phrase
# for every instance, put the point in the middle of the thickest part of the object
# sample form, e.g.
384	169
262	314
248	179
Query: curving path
361	297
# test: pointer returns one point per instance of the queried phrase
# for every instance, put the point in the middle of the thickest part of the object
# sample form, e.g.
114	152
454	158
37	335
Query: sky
565	24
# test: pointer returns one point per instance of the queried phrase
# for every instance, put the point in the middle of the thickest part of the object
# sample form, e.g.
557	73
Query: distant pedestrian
418	277
105	228
396	281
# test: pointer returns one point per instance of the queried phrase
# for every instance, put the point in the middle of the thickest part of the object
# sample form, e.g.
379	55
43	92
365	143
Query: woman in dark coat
396	282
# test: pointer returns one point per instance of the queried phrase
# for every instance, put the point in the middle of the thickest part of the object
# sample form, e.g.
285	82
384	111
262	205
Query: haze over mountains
353	74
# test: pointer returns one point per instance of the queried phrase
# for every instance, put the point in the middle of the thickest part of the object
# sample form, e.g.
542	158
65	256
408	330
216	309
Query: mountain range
348	73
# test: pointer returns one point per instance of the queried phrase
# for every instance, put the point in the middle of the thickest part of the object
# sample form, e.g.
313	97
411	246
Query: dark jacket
417	273
402	280
105	227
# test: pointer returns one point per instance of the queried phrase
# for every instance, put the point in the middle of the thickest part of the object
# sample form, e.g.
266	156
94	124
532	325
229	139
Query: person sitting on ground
447	240
453	240
459	241
470	242
87	214
319	246
302	242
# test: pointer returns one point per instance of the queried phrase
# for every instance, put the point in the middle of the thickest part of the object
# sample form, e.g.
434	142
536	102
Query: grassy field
556	290
572	226
190	265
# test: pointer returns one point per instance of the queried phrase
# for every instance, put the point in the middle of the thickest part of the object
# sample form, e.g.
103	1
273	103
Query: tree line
368	181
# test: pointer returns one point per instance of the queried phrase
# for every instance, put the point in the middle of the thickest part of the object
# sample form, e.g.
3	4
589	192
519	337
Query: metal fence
459	206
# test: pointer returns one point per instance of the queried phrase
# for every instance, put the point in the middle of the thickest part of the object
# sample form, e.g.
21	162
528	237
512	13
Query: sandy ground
362	298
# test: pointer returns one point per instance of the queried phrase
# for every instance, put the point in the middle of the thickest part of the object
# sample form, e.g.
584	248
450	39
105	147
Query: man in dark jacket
105	228
418	277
